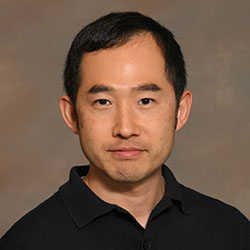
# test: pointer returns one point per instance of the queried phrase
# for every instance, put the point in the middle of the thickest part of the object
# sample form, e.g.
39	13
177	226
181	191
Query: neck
138	199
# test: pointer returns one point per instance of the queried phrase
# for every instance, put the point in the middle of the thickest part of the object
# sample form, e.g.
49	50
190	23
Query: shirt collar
173	189
84	205
81	202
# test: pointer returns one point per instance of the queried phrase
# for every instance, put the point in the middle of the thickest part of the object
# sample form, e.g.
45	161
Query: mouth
126	153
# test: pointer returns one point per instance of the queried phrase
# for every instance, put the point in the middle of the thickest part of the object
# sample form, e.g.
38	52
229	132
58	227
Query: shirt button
147	244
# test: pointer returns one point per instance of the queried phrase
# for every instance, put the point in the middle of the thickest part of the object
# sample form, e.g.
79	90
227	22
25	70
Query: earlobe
68	113
184	109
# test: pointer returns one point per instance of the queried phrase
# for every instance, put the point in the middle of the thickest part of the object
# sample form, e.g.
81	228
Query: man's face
126	110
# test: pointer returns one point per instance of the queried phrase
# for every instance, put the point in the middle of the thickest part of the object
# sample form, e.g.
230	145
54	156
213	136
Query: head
114	30
125	81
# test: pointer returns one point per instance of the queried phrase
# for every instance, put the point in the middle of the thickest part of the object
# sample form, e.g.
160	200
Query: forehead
137	61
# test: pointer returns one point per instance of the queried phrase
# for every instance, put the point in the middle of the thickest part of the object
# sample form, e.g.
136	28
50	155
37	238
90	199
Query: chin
129	175
126	179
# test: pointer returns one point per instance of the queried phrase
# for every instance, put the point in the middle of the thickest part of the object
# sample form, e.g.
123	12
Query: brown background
37	150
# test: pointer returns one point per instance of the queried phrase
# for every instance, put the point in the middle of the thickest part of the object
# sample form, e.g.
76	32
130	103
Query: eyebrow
147	87
99	88
142	87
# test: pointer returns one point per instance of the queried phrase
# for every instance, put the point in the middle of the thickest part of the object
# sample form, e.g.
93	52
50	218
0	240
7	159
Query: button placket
146	244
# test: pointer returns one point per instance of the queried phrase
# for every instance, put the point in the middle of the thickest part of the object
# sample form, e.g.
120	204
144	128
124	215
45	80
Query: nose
126	122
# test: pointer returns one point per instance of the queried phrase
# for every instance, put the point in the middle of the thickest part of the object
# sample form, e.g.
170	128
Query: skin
126	110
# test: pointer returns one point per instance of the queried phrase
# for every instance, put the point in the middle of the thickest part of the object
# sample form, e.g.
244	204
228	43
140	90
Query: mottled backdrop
36	148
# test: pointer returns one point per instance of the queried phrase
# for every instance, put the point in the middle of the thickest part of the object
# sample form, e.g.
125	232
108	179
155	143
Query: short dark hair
114	30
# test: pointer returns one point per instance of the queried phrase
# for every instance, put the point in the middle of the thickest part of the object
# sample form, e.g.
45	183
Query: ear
68	113
184	109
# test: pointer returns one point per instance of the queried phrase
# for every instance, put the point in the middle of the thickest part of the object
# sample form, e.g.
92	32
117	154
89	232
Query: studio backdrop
37	150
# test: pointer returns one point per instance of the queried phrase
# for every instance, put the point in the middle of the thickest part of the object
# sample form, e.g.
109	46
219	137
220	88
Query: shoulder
34	228
215	214
201	203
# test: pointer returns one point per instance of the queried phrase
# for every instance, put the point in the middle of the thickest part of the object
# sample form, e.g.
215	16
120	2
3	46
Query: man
126	96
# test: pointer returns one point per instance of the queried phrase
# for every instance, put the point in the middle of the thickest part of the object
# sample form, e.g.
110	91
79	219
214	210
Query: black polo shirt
74	218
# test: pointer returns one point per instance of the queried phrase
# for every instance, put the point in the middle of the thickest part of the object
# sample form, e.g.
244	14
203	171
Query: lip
126	153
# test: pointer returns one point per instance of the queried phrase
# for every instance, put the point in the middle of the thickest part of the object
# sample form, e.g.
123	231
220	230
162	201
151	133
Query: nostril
126	130
125	122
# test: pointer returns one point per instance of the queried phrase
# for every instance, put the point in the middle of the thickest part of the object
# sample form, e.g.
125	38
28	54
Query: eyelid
146	98
97	102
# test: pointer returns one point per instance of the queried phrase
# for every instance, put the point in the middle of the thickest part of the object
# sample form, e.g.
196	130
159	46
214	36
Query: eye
103	102
146	101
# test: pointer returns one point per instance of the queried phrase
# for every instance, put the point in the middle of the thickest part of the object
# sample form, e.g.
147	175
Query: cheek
163	122
164	133
162	130
92	131
90	139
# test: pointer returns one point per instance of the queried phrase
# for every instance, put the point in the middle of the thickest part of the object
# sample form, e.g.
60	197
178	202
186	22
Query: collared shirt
74	218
